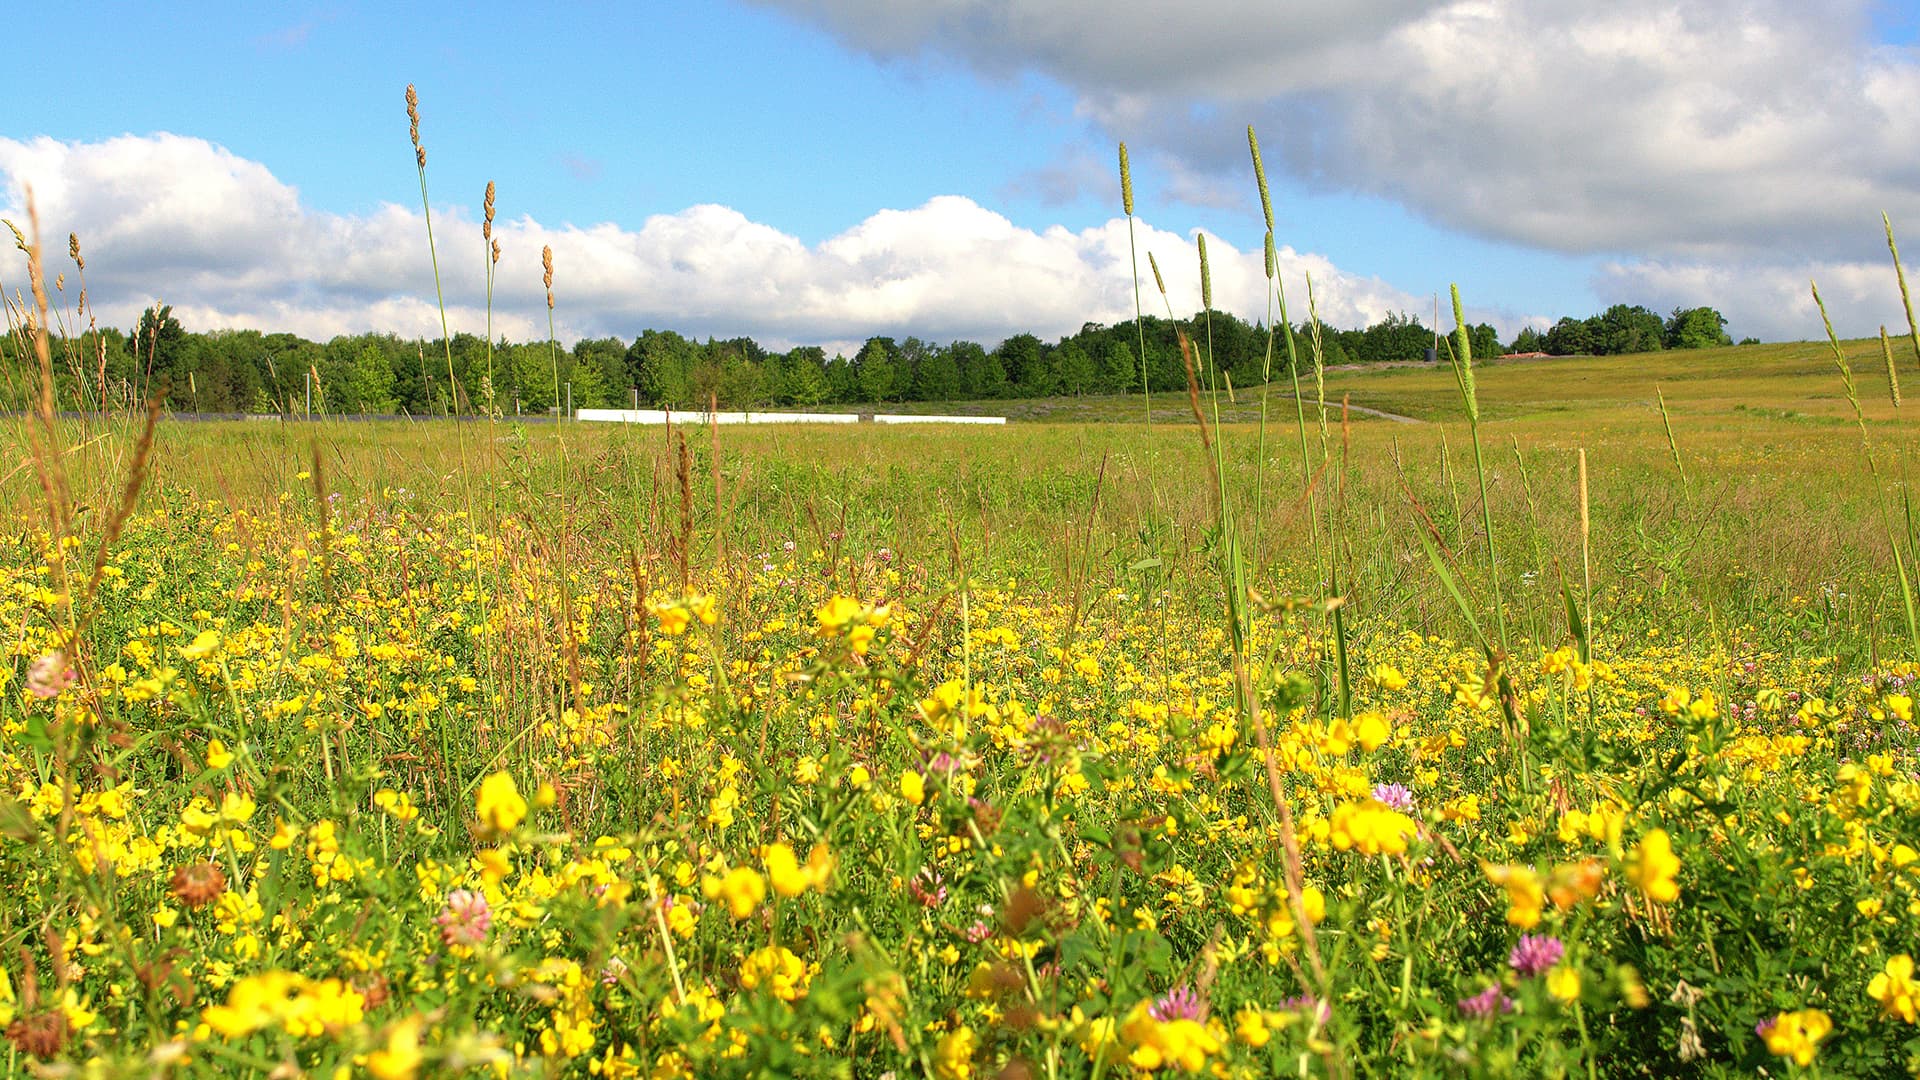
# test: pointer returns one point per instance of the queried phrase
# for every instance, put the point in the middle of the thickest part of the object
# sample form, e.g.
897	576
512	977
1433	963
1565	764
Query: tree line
248	371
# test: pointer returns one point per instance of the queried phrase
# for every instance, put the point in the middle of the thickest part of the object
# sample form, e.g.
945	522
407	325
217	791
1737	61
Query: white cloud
1770	302
228	244
1731	134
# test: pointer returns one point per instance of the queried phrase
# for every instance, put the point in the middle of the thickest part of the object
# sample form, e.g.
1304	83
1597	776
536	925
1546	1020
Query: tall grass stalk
1873	471
490	263
1337	613
553	348
1900	275
1133	263
1266	363
426	211
1893	373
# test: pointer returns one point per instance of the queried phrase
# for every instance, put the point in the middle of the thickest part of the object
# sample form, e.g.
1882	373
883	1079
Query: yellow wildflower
500	805
1797	1035
1896	990
1652	868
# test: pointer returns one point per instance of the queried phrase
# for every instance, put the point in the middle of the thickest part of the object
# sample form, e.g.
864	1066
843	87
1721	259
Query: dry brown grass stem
123	509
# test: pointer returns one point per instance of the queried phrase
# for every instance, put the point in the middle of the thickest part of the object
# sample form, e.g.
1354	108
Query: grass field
1033	751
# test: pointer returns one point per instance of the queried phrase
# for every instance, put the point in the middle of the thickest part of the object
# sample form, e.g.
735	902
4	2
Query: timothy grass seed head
1126	181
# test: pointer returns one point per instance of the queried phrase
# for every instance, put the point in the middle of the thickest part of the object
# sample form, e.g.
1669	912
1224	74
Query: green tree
1529	339
162	353
874	371
1697	328
1570	337
938	376
1118	374
369	383
1625	330
660	363
1024	360
1074	369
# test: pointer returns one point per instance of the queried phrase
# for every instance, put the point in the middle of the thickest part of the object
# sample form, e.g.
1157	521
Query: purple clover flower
1179	1003
466	918
1535	954
1395	796
1486	1004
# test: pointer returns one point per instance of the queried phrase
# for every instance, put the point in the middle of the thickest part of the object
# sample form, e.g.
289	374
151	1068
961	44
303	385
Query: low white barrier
903	419
701	417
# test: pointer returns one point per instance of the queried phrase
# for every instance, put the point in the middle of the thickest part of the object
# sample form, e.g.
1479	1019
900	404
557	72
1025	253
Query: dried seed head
1463	346
496	252
1260	177
413	126
60	282
546	264
197	884
1893	375
1157	279
73	250
1126	181
1206	278
373	987
41	1036
486	227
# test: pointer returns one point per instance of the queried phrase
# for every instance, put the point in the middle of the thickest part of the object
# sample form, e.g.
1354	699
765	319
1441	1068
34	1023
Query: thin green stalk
1900	273
1873	471
1673	445
1463	374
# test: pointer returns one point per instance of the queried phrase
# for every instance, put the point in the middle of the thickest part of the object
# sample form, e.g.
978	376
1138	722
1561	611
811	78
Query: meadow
1564	730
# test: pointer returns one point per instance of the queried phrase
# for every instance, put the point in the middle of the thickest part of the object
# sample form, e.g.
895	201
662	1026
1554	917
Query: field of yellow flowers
382	783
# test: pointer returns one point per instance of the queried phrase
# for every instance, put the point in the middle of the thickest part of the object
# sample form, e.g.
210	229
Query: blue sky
1539	174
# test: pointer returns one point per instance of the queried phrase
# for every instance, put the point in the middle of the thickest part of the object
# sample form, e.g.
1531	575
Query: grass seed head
413	126
1157	279
1260	177
1126	181
73	251
486	227
1206	277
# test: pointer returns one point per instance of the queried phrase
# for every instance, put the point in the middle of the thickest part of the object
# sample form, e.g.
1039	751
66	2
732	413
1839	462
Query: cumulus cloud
1728	134
230	245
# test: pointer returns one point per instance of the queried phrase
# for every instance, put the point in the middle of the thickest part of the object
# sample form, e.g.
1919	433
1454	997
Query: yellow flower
1372	827
400	1059
1563	982
1896	990
202	645
1652	868
218	756
255	1002
741	889
1797	1035
1156	1044
953	1057
500	806
1372	729
1526	893
784	974
1250	1027
789	877
912	788
1387	677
